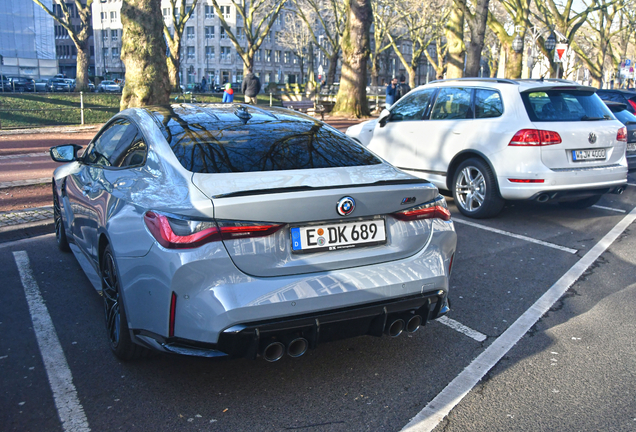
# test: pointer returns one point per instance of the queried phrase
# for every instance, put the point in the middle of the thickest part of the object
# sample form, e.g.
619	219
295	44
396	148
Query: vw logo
591	138
345	206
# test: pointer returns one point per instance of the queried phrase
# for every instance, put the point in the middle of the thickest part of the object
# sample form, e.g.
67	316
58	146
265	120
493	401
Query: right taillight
435	209
621	135
632	103
182	233
535	137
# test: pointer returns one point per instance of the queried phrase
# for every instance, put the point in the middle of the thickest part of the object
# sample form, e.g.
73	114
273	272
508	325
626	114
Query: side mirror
65	152
384	117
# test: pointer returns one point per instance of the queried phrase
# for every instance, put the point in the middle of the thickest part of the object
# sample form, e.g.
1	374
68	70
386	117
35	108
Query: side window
120	145
412	107
452	103
488	104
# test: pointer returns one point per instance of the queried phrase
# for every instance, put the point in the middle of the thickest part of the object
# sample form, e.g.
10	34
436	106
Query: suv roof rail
491	80
552	80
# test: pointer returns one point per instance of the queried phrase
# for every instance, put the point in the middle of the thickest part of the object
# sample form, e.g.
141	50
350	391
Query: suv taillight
535	137
435	209
621	135
632	103
181	233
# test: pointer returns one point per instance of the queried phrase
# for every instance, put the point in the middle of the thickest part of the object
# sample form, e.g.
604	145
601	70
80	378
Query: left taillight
174	232
621	135
435	209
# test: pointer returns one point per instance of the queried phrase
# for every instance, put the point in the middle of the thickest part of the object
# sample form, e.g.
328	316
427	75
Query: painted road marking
631	184
517	236
435	411
69	409
455	325
609	208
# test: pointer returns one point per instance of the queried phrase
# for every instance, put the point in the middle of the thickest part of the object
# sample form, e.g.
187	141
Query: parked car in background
237	231
22	84
621	112
5	84
627	97
71	83
108	86
58	85
91	86
41	84
491	140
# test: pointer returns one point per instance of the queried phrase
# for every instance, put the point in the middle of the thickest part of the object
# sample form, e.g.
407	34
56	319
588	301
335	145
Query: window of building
240	33
166	13
92	51
223	34
190	33
209	53
188	9
277	56
114	35
209	32
258	55
287	57
114	53
113	17
209	12
268	38
225	54
268	55
103	16
190	53
225	10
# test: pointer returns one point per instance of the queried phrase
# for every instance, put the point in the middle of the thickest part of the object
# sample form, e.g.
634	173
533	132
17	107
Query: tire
475	190
116	323
582	203
60	231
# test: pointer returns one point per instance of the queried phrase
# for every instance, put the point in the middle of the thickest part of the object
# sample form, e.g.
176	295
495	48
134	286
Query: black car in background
627	97
5	84
621	112
57	85
22	84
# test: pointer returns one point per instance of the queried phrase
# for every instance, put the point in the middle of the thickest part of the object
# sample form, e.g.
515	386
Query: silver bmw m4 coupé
237	231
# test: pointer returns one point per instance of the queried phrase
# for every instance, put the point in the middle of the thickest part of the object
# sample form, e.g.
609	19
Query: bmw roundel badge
345	206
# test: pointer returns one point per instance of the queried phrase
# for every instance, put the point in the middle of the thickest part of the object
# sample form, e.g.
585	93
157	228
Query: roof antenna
541	78
242	113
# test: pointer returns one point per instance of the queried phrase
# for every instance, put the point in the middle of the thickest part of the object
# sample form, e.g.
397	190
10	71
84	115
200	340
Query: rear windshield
564	105
263	146
625	117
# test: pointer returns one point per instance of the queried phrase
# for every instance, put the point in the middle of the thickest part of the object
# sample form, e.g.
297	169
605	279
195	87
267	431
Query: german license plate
586	155
631	146
332	237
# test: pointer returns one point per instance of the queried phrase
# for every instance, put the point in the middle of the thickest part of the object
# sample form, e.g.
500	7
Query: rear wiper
586	118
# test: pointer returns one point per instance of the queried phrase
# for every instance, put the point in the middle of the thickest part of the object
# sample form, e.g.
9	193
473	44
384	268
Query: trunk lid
307	199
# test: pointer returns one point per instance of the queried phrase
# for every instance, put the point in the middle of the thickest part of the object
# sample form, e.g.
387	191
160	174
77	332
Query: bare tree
296	38
325	20
258	17
180	16
477	22
352	94
143	53
421	24
79	36
455	40
517	15
384	17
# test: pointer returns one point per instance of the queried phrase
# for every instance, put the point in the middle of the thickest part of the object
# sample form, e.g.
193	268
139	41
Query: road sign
559	52
628	62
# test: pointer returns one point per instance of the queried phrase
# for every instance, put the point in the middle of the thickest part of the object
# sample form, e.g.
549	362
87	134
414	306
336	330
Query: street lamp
517	44
550	42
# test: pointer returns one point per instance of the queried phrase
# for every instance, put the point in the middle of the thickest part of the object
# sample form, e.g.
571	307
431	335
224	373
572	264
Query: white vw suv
491	140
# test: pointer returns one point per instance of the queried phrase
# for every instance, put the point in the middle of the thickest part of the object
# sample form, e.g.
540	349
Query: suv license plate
586	155
631	146
331	237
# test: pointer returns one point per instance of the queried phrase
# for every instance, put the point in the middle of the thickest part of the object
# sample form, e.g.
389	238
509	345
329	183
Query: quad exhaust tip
395	328
297	347
543	198
274	351
414	324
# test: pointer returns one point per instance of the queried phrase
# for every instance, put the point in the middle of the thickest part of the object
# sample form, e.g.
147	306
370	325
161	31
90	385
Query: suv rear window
564	105
220	147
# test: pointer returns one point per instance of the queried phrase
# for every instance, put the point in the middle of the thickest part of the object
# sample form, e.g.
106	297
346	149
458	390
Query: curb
26	230
53	129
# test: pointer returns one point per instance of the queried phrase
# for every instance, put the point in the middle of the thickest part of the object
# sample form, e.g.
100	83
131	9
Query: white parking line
455	325
517	236
609	208
631	184
69	409
433	413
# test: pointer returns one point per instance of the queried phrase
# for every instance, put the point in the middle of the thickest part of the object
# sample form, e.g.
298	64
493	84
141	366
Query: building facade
26	40
206	51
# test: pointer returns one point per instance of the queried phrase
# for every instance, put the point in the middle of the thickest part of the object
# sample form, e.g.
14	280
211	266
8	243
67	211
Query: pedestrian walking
228	94
391	90
251	87
402	89
204	84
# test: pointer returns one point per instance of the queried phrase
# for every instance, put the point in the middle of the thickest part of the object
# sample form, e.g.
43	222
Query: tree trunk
174	63
375	70
477	34
352	95
81	70
455	38
333	65
248	66
412	74
143	54
311	78
514	63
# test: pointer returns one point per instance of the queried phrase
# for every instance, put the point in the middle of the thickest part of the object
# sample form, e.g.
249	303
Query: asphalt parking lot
496	363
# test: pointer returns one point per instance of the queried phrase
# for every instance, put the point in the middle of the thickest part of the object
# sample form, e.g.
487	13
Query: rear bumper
565	182
248	340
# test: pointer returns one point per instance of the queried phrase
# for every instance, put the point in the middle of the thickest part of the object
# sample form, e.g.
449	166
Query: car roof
523	85
623	91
